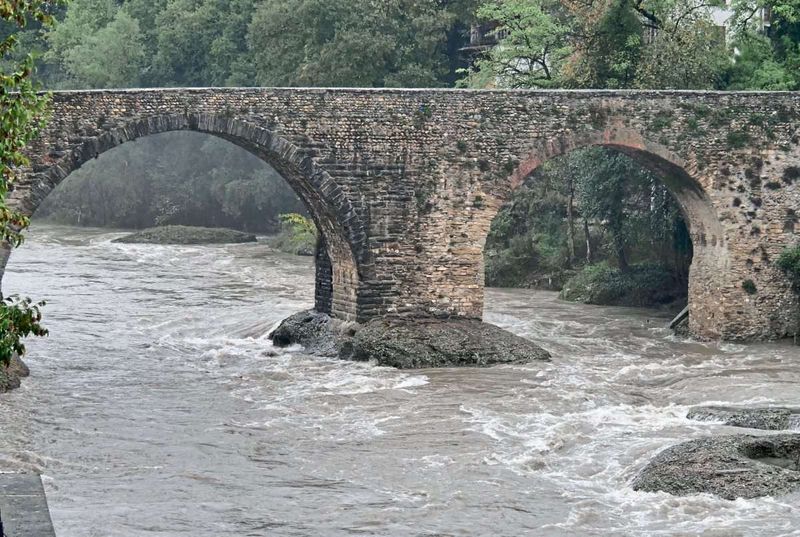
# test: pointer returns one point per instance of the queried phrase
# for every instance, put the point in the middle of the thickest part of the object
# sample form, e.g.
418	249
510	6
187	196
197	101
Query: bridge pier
323	284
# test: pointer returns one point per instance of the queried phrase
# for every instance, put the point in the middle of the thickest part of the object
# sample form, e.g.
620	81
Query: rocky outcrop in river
11	374
408	342
187	235
737	466
768	418
318	333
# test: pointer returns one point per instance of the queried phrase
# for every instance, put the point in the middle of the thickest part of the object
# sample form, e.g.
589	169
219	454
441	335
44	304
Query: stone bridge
404	184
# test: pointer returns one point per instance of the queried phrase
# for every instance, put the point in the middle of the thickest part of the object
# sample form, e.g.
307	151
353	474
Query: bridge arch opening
606	207
337	275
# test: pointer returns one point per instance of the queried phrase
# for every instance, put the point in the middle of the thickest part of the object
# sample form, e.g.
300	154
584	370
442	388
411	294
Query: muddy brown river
157	407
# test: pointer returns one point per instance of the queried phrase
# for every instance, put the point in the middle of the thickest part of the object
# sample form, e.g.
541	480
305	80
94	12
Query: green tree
766	59
610	50
22	112
298	235
534	45
593	44
756	67
146	12
354	42
687	55
207	47
112	57
83	19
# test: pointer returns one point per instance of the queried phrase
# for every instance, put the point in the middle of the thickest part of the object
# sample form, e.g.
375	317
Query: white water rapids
157	407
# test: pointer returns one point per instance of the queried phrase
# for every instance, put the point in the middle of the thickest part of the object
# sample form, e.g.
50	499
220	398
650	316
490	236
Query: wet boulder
186	235
408	343
767	418
736	466
316	332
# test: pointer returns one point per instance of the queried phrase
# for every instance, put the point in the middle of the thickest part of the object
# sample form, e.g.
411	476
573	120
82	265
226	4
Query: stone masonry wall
404	184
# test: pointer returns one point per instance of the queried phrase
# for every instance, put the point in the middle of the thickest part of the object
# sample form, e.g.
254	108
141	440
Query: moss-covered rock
187	235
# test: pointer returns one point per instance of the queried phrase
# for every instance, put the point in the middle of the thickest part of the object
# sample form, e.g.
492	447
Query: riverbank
641	286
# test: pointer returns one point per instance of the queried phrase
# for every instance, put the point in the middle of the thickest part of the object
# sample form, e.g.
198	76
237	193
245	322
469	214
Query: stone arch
708	237
341	232
675	172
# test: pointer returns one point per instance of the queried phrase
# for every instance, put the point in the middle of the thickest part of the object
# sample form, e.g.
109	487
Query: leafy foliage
534	46
766	60
691	56
789	262
628	216
356	42
609	44
610	54
19	318
757	67
22	112
643	285
213	43
298	235
749	287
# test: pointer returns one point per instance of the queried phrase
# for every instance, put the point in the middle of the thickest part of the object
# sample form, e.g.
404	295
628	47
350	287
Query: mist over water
157	407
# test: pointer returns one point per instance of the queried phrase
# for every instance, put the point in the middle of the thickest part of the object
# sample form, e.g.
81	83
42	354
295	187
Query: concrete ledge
23	507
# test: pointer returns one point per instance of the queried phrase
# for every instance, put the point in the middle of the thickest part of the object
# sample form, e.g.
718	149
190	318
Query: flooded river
157	407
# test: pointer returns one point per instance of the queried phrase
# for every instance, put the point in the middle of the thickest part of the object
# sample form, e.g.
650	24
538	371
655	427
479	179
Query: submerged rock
11	374
737	466
186	235
768	418
407	342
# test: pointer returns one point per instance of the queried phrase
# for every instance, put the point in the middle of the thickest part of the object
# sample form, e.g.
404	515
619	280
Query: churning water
157	407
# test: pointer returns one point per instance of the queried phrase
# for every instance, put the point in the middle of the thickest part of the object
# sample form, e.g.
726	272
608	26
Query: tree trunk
619	250
588	241
571	222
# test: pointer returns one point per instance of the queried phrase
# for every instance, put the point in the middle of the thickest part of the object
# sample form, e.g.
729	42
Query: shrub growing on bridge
789	262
